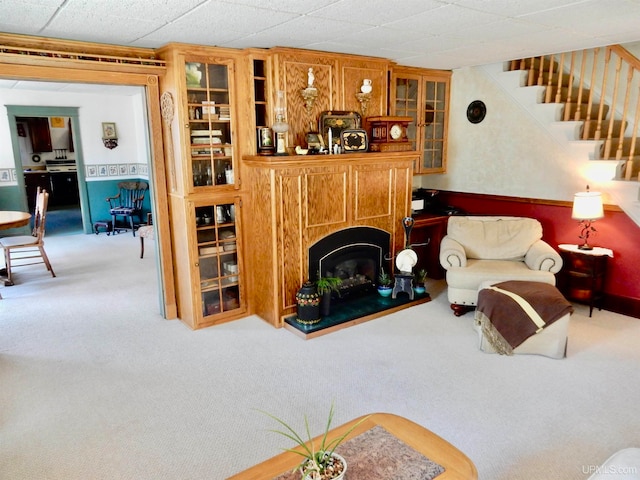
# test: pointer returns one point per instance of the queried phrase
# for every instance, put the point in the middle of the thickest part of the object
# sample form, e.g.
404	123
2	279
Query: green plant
328	284
315	462
421	276
384	278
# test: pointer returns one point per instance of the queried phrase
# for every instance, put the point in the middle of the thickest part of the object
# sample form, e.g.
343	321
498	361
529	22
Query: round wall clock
476	111
35	158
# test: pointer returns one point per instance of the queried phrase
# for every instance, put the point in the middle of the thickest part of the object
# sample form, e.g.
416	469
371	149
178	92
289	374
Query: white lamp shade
587	206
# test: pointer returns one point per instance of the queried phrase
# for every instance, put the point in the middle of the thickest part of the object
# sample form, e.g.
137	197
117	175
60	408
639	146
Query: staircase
589	101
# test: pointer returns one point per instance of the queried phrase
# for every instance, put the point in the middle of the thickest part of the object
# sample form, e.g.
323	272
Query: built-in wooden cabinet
295	202
424	96
203	166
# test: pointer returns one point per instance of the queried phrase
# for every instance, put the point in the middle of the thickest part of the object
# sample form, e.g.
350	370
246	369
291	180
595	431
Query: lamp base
585	246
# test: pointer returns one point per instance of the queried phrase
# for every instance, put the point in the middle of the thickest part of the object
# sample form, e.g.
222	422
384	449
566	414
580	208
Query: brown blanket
510	312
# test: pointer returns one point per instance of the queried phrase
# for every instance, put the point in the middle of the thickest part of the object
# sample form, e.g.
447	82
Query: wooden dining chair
127	203
19	251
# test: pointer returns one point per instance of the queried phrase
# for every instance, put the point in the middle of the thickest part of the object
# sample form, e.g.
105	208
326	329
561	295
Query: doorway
48	158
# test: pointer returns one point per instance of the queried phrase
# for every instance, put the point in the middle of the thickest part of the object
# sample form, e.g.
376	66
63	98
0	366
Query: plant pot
340	476
384	291
419	289
325	304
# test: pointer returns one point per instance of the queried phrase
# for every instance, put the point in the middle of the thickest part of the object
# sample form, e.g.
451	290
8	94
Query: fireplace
355	255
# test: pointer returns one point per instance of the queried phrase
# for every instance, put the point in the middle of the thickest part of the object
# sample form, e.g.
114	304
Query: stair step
609	148
531	64
590	127
564	94
583	109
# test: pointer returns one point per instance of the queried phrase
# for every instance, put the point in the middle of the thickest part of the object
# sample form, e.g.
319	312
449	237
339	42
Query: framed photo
354	140
109	130
57	122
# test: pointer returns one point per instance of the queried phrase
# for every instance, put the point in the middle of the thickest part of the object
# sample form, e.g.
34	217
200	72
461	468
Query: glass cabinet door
406	105
433	121
218	260
209	111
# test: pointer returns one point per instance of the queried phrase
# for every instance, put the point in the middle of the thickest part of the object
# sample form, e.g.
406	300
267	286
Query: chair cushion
18	240
478	271
495	238
146	231
122	211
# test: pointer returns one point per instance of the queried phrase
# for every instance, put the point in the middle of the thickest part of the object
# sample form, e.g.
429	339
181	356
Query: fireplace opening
355	255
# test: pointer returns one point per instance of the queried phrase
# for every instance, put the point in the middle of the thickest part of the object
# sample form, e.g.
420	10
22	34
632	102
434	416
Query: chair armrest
452	253
541	256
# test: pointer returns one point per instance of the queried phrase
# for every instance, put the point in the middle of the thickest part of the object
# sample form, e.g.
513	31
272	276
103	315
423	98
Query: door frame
53	69
14	111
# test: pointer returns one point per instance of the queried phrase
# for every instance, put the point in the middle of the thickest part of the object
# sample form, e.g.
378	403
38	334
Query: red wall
615	231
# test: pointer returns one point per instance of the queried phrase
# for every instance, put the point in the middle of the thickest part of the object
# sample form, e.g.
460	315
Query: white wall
127	111
508	153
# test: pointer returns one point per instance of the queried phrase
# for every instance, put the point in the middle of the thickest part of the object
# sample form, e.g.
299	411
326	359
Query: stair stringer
606	173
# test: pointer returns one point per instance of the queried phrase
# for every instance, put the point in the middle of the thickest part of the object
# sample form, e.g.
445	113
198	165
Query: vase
308	304
342	474
384	291
325	304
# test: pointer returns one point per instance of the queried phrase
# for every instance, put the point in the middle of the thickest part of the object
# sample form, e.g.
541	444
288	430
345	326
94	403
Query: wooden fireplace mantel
297	200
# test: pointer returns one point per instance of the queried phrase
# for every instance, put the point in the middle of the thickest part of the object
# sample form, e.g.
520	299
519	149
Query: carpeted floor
64	220
96	385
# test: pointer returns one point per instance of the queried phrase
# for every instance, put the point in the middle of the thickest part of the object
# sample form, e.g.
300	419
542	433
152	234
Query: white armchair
495	249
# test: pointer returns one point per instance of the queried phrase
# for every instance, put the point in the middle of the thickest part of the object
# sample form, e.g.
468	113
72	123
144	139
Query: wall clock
476	111
389	134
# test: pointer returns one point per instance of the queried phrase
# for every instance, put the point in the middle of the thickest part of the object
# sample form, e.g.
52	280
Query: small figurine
310	78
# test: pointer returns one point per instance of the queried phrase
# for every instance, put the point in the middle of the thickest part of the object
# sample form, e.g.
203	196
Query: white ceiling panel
427	33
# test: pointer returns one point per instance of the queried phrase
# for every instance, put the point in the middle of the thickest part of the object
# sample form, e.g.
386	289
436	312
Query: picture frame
354	140
109	130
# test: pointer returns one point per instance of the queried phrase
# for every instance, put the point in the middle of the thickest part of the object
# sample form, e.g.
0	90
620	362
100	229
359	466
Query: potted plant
319	462
421	278
326	285
384	283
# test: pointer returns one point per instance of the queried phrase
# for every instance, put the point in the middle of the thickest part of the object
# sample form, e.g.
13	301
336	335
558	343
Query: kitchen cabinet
424	96
39	134
205	201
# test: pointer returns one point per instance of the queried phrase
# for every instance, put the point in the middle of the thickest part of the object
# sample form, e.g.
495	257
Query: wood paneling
352	72
315	196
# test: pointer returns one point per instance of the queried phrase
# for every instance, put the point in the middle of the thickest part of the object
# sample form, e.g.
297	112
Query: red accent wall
615	231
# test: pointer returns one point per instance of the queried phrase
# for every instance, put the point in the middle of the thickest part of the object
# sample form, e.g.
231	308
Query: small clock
389	134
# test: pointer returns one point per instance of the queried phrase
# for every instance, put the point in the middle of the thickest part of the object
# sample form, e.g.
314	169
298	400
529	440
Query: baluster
541	72
616	83
625	109
560	76
549	89
577	115
603	92
531	75
632	150
588	119
567	110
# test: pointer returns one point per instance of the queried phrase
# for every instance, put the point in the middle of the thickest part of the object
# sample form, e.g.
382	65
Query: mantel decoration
280	127
310	93
587	207
364	96
320	464
109	135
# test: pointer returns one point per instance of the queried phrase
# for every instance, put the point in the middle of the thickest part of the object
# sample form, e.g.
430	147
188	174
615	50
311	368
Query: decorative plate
337	121
354	140
476	111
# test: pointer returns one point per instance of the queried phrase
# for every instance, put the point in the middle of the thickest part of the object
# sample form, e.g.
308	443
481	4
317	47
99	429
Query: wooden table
457	465
11	219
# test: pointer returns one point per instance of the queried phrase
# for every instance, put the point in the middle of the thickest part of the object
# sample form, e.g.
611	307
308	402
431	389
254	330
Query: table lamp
587	207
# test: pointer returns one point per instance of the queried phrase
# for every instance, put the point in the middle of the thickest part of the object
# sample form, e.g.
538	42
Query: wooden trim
531	201
622	305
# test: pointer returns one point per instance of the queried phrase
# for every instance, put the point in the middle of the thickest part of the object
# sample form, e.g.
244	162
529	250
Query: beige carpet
94	384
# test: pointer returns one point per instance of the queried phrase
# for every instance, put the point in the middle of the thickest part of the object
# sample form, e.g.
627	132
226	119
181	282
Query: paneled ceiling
444	34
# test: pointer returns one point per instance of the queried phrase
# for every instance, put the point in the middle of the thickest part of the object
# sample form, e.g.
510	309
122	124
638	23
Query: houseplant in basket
326	285
384	283
421	278
319	462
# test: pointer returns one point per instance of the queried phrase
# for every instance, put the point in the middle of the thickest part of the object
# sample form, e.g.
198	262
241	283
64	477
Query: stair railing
607	99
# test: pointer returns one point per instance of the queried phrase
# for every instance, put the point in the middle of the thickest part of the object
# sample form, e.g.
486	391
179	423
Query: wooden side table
583	274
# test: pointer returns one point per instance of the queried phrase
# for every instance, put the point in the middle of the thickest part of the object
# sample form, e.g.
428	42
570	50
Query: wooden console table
457	466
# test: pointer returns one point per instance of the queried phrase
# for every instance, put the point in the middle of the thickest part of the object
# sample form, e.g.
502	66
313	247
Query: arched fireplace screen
355	255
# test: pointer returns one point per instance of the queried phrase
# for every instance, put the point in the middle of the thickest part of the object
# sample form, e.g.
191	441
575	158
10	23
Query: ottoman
622	465
548	337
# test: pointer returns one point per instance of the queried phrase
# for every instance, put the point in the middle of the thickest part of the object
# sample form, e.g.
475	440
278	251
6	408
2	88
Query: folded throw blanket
510	312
